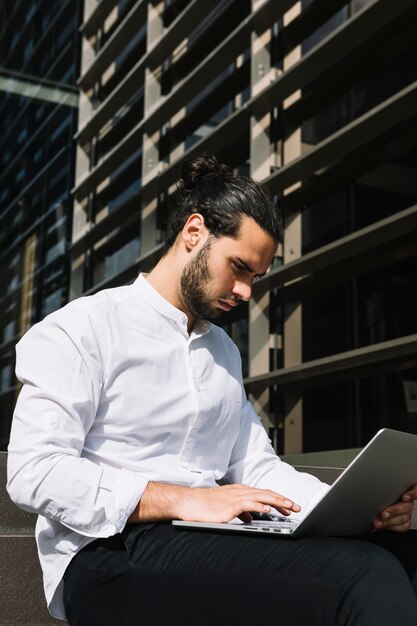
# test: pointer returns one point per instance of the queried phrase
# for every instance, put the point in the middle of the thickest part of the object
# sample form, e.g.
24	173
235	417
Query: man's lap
167	575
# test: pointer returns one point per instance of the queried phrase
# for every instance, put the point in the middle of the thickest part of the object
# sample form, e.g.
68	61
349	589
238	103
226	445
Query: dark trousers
156	575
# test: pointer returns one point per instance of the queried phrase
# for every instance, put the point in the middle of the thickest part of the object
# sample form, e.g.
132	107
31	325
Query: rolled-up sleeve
60	364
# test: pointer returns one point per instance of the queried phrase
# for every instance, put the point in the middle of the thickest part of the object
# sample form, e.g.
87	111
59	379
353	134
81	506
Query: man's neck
165	278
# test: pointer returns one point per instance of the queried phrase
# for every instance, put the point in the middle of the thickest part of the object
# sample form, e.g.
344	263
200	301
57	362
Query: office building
317	99
39	66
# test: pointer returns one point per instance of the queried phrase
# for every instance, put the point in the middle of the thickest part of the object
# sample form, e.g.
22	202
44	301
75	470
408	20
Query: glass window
326	324
55	251
52	302
325	221
33	231
325	29
347	415
9	331
388	300
108	264
6	378
329	421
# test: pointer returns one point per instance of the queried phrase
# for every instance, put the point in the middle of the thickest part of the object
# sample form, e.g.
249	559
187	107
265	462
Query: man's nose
242	290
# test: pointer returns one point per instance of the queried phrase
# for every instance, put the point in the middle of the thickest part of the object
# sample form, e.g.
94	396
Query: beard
195	280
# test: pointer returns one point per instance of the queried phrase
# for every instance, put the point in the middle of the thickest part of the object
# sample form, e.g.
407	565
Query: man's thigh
402	545
156	574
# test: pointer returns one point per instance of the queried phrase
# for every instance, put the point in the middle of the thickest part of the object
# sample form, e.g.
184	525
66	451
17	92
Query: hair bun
201	169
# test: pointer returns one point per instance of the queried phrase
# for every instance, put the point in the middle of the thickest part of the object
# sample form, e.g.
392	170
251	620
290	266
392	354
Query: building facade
39	66
316	99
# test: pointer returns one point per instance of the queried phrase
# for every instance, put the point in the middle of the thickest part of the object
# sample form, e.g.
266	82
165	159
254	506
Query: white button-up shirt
117	393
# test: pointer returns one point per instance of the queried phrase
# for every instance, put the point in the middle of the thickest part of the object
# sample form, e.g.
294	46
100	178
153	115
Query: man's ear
194	233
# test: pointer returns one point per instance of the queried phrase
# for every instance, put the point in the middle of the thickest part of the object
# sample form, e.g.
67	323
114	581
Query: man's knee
377	589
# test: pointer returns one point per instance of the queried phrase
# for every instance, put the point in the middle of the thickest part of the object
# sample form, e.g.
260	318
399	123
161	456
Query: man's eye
239	268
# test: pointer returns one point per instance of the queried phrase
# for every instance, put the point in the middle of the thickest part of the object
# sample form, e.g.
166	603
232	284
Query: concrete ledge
12	519
326	474
22	601
326	458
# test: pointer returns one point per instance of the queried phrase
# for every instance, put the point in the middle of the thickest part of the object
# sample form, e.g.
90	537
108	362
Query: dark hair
223	199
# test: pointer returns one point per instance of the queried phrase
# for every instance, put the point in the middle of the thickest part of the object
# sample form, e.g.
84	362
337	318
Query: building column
150	151
292	340
260	150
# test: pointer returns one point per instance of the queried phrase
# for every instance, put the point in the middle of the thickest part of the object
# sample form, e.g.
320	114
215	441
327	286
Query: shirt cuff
119	493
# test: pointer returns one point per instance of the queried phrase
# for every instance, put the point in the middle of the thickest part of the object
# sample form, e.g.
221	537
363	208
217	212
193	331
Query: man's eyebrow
248	268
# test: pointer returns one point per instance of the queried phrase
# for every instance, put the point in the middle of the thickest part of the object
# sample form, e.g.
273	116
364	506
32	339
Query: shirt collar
165	308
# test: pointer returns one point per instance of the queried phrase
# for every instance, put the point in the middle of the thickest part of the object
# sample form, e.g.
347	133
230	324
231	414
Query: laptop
376	478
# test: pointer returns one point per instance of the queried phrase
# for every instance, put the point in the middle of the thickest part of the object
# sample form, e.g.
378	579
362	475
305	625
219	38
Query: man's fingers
279	502
230	501
398	520
396	517
283	505
247	498
399	508
398	524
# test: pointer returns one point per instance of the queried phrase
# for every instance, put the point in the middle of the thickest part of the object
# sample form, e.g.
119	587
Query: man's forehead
256	251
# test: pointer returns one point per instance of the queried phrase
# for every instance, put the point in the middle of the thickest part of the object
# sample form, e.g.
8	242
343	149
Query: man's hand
397	517
162	501
223	504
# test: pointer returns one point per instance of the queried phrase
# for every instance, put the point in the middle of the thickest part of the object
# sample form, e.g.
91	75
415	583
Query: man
132	408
